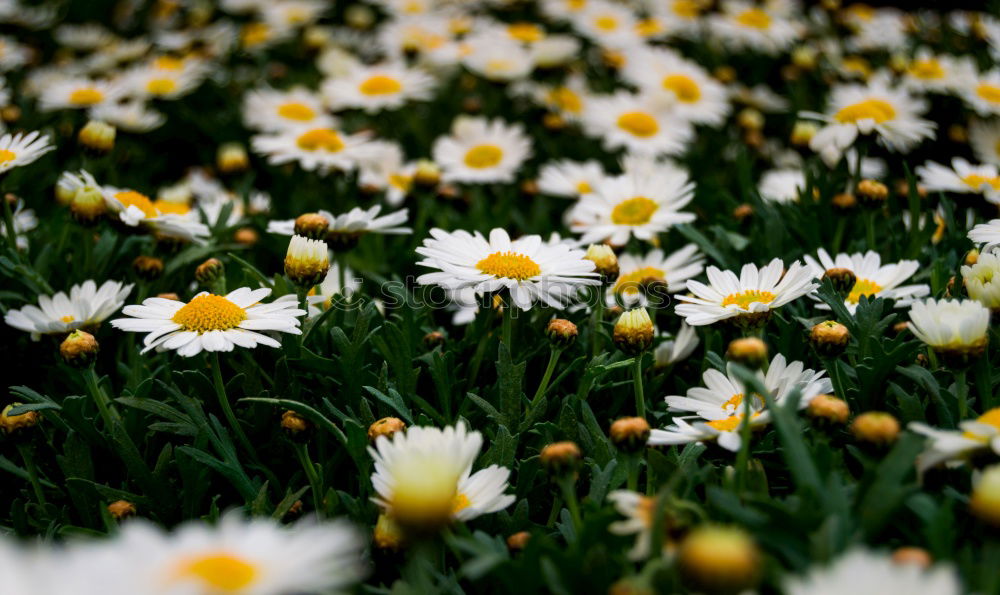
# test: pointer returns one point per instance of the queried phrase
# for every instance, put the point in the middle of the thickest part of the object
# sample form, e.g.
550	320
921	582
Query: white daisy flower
568	99
954	447
693	95
135	209
641	124
641	204
682	18
720	408
377	87
607	24
937	73
70	92
423	477
530	269
982	280
888	112
270	110
984	138
347	228
130	116
13	55
568	178
384	167
750	296
21	149
640	515
962	177
636	272
496	58
766	28
293	13
24	220
862	572
982	93
782	186
212	322
987	234
481	151
881	29
164	78
320	149
678	347
951	326
874	279
86	307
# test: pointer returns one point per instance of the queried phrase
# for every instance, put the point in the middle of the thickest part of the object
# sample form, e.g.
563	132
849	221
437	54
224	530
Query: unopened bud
294	425
829	338
803	132
427	174
742	212
148	267
750	119
872	192
232	158
14	423
876	427
246	236
605	261
307	261
98	137
910	555
79	349
312	225
634	331
561	332
434	339
121	509
561	458
749	351
388	535
843	279
629	434
209	271
387	426
828	409
518	541
717	559
845	201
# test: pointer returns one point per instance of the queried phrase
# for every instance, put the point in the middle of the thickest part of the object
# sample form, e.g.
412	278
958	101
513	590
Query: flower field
499	296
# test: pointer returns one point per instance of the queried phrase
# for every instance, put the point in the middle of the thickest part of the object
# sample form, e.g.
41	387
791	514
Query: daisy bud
10	114
958	133
561	333
804	57
844	201
829	338
985	499
472	105
87	205
387	426
312	225
605	261
634	331
843	279
316	37
121	509
98	137
724	74
716	559
909	555
742	212
828	409
14	423
148	267
518	541
872	193
749	351
359	16
971	257
232	158
750	118
246	236
553	121
209	271
561	458
169	296
295	426
79	349
876	427
388	535
613	312
427	174
433	339
803	132
629	434
294	510
307	261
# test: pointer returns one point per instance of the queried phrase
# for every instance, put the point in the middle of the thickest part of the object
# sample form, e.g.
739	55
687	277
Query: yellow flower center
726	425
878	110
131	198
584	187
565	99
483	156
293	110
510	265
929	69
161	86
990	418
735	403
606	22
460	504
856	64
499	66
209	312
526	32
86	96
401	182
67	319
989	92
743	299
683	87
977	181
171	207
688	9
7	155
320	138
220	572
380	84
755	18
863	287
648	27
630	283
639	124
168	63
255	34
634	211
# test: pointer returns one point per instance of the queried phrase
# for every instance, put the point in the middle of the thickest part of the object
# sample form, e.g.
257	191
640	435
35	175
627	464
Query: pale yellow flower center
7	155
209	312
168	63
755	18
735	403
565	99
606	22
634	211
483	156
526	32
67	319
878	110
989	92
320	138
688	9
161	86
86	96
131	198
928	69
863	287
639	124
220	572
255	34
461	503
510	265
990	418
683	86
977	181
730	423
743	299
584	187
380	84
294	110
630	283
172	207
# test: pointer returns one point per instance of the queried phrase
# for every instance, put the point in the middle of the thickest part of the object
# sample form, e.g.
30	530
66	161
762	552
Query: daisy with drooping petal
982	93
480	151
321	149
639	203
987	234
890	113
530	269
954	447
863	572
677	347
636	273
749	297
86	307
377	87
962	177
212	322
571	179
720	407
766	28
270	110
874	279
166	218
21	149
423	477
641	124
782	186
693	95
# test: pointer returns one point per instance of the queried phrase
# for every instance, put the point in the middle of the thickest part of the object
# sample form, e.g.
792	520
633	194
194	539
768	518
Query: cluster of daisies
553	160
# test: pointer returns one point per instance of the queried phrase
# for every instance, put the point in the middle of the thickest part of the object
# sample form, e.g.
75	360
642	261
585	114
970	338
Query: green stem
507	330
838	234
544	384
312	475
870	230
554	511
29	466
8	222
640	397
961	393
227	408
743	458
567	485
632	460
104	406
595	321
